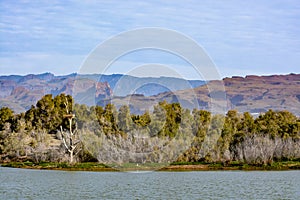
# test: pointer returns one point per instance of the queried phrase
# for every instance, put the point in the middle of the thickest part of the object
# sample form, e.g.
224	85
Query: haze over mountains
20	92
253	93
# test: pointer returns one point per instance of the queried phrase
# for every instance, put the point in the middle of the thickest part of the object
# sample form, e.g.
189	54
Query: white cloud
229	31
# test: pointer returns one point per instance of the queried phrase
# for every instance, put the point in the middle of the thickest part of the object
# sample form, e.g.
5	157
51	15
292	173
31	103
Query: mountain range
254	94
20	92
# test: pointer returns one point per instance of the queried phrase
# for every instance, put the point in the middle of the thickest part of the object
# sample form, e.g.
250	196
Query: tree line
167	133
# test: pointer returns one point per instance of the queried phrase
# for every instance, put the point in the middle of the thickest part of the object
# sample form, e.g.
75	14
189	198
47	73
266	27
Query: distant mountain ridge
252	93
20	92
123	85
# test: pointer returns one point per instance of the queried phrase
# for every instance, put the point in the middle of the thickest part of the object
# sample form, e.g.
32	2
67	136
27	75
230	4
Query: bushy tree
6	116
124	119
107	119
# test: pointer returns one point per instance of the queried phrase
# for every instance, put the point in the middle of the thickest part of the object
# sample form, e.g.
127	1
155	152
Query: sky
259	37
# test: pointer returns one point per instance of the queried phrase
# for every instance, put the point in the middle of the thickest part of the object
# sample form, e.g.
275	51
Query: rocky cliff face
20	92
254	94
258	94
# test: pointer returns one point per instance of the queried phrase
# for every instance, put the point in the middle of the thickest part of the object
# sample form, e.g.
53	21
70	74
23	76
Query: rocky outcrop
253	94
20	92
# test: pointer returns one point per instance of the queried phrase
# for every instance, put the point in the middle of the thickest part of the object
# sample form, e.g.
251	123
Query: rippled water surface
43	184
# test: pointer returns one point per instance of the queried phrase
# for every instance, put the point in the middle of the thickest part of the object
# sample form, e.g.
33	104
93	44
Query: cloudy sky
241	37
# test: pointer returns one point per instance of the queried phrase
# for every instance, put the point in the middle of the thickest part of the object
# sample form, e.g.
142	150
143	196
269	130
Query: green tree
246	125
107	119
6	116
141	120
31	118
230	128
173	113
124	119
201	123
45	107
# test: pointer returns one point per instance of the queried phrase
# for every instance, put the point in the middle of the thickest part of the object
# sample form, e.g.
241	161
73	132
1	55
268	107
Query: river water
44	184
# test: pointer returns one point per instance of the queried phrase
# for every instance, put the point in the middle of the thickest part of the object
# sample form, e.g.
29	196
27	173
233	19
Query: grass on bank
139	166
86	166
235	165
175	166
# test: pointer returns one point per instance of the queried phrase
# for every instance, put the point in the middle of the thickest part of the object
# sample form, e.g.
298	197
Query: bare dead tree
70	138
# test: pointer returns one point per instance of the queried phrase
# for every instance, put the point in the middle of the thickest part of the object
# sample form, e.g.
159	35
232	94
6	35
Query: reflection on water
43	184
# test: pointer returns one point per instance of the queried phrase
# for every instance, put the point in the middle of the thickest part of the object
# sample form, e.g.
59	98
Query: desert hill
254	94
20	92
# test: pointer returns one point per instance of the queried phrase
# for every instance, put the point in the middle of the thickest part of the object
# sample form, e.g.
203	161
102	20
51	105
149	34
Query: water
44	184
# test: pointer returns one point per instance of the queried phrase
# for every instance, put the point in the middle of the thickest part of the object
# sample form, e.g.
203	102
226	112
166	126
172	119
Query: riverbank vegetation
86	166
176	166
169	133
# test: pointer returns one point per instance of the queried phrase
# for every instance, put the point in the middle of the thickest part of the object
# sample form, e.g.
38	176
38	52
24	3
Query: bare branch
64	140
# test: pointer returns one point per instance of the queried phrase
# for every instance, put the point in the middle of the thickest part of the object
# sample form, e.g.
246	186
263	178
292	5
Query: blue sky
241	37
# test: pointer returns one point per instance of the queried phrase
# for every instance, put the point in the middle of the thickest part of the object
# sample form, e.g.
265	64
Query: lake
45	184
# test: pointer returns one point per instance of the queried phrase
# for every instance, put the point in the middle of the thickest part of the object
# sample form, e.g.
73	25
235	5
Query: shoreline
93	167
275	166
176	167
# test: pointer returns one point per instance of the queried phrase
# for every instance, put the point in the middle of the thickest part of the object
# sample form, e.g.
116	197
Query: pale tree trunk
70	138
